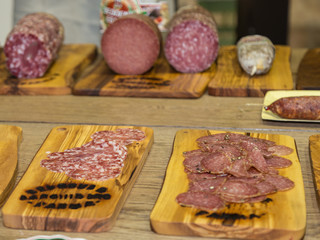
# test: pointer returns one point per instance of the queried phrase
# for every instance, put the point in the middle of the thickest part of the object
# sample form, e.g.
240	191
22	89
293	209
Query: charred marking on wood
267	200
230	218
33	196
201	213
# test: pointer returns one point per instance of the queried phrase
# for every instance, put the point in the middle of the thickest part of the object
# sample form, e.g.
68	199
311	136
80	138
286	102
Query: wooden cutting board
283	216
58	80
45	200
10	139
308	76
314	145
160	82
231	81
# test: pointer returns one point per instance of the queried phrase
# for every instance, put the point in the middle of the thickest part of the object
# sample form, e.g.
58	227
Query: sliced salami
98	160
202	200
33	44
192	43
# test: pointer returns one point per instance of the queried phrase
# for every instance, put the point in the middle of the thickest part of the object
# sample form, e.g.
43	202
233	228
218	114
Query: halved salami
192	43
131	44
33	44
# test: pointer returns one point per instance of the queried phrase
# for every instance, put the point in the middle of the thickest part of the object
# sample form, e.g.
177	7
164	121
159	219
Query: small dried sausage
255	54
303	107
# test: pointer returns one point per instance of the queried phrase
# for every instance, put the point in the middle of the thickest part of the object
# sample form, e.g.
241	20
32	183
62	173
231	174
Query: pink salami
131	44
98	160
192	43
33	44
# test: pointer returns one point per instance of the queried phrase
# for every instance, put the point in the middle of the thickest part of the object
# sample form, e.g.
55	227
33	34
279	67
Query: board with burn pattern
45	200
281	216
161	81
59	79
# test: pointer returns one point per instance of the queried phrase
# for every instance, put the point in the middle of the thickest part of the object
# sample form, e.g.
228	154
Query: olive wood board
162	81
282	217
272	96
10	139
231	80
314	146
60	77
46	200
308	75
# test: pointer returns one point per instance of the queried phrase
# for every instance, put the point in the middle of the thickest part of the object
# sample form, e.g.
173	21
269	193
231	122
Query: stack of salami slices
233	168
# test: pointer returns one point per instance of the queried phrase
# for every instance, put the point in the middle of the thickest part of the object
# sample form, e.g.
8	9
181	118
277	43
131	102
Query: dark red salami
235	168
131	44
192	42
98	160
33	45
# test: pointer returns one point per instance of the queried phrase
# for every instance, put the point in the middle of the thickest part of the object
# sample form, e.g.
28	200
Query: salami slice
98	160
131	44
33	44
192	43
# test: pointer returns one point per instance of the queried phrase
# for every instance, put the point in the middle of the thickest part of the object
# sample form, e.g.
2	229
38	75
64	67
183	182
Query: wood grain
28	206
58	80
231	80
308	77
284	217
160	82
314	146
10	139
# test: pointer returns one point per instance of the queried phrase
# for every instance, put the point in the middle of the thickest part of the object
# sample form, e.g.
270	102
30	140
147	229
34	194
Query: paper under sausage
255	54
302	107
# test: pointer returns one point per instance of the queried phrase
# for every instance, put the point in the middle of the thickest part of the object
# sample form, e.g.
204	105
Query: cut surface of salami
131	44
33	44
192	43
100	159
235	168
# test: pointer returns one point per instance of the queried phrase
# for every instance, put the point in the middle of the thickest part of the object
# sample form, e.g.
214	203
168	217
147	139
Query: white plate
272	96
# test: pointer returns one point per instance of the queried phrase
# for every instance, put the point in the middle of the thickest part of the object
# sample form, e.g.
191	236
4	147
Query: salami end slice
33	44
192	43
131	44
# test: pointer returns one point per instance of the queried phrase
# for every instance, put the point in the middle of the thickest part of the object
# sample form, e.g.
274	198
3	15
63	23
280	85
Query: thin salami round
33	44
192	43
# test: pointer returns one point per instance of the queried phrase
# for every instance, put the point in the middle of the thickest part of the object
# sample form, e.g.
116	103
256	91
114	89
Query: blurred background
290	22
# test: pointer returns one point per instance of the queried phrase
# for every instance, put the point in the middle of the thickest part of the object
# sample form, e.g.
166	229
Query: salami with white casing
33	44
255	54
192	43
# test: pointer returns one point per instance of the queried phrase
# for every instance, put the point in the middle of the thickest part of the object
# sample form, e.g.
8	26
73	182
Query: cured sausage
255	54
233	168
131	44
192	43
302	107
100	159
33	44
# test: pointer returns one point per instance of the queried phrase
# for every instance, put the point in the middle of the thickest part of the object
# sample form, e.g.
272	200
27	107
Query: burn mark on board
140	82
86	195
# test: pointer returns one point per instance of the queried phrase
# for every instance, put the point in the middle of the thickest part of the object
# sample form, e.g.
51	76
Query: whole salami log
303	107
255	54
131	44
192	43
33	44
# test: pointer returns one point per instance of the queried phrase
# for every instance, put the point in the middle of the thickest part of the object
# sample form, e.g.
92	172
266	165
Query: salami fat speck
192	43
100	159
33	44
